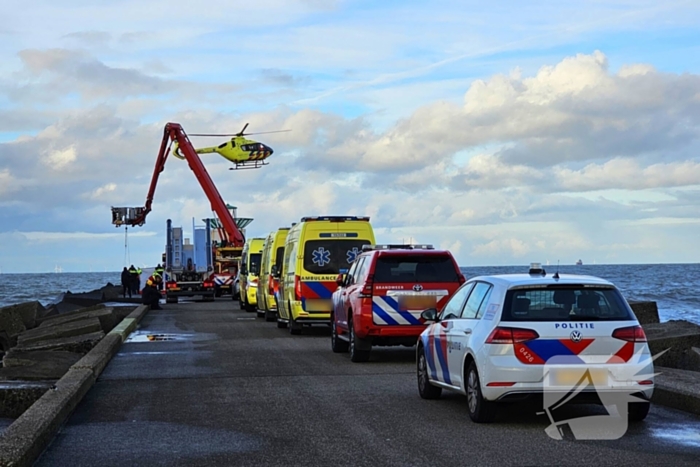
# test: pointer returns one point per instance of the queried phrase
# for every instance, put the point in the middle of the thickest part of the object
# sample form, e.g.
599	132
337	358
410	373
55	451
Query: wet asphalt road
229	389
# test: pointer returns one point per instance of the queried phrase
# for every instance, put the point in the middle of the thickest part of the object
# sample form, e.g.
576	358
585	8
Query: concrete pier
212	386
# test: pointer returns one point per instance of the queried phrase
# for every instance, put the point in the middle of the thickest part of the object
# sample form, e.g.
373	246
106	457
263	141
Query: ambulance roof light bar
335	218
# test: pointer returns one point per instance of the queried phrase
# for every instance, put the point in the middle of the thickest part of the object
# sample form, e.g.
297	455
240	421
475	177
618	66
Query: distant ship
579	263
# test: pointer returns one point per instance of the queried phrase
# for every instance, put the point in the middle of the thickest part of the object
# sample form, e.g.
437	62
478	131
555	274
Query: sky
508	132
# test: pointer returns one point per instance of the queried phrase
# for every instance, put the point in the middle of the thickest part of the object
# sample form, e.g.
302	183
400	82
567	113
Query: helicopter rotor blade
213	134
266	132
221	135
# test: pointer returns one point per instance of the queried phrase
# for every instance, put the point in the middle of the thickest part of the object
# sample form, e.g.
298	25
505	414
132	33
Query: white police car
504	338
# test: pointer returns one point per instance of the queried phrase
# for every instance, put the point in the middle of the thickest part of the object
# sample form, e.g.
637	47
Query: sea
674	287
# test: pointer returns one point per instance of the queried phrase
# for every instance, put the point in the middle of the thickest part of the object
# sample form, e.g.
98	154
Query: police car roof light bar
335	218
536	269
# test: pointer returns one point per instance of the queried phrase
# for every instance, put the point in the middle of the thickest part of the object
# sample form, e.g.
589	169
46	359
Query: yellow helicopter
244	153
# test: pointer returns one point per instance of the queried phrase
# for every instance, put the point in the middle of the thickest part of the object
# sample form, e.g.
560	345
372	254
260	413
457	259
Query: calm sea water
675	287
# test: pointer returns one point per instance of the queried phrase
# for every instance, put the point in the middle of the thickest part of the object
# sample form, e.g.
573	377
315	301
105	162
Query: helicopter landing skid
248	165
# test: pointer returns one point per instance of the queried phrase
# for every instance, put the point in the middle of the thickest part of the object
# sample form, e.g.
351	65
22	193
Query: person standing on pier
126	282
135	280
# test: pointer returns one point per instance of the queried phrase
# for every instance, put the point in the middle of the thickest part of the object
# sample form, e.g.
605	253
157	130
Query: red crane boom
137	216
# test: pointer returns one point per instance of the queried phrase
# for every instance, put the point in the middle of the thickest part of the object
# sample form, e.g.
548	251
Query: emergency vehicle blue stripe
442	358
409	317
391	302
319	289
548	348
383	314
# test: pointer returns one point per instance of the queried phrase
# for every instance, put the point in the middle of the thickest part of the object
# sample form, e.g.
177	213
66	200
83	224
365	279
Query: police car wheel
356	355
425	389
480	410
337	345
637	411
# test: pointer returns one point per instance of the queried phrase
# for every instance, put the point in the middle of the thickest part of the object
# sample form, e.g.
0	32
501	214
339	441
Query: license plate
572	377
417	302
318	305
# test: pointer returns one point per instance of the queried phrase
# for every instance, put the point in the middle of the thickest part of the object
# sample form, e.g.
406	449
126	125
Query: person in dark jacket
135	279
126	282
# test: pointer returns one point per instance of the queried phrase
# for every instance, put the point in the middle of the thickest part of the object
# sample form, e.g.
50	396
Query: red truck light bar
397	247
335	218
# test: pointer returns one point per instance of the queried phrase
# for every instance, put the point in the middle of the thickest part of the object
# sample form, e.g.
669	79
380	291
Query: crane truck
201	274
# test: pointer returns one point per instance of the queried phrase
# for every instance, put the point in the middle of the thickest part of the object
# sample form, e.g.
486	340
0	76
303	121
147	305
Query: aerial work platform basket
128	216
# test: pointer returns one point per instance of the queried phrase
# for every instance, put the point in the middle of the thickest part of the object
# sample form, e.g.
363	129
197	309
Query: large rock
51	310
677	336
83	299
110	292
74	328
675	388
71	311
646	312
107	316
42	371
11	321
24	358
27	311
18	396
80	344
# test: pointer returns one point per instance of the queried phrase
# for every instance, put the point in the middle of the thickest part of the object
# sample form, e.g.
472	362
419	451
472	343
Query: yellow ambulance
249	270
316	251
268	285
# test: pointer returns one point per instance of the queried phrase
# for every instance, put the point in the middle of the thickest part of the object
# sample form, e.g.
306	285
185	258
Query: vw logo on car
575	336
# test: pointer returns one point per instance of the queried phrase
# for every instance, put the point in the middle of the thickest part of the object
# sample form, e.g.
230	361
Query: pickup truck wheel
480	410
425	389
357	355
337	345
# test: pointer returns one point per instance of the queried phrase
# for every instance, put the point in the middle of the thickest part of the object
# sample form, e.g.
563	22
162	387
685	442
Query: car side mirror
429	315
253	269
340	279
275	271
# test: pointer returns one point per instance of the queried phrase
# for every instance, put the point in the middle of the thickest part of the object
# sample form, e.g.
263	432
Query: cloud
516	165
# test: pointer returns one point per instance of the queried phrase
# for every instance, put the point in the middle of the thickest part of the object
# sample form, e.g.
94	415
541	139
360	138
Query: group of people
150	295
131	281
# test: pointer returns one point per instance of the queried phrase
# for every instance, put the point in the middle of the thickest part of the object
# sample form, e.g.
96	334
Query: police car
505	338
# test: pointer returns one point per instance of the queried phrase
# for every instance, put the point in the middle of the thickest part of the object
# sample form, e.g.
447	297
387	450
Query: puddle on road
678	433
143	336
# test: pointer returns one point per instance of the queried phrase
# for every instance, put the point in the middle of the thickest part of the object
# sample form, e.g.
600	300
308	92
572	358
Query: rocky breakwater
676	347
39	344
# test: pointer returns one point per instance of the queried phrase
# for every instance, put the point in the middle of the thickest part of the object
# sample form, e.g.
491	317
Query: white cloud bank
500	178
